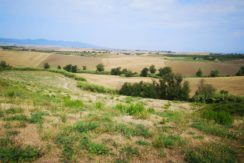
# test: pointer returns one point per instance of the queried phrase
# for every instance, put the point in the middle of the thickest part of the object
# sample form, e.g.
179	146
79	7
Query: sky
176	25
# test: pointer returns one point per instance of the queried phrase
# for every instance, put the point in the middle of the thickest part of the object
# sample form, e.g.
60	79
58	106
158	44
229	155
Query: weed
135	109
68	102
18	117
9	152
167	141
91	147
37	117
211	153
174	116
13	111
221	117
142	142
167	105
12	133
138	130
85	126
99	105
141	130
213	129
130	151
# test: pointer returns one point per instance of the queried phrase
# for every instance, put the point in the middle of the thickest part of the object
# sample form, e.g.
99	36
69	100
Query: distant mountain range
45	42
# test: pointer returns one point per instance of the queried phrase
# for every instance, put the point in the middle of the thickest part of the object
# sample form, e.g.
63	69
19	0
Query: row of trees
125	72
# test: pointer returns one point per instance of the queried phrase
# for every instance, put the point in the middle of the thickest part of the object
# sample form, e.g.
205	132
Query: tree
152	69
116	71
4	65
59	67
214	73
144	72
199	73
205	92
164	71
84	67
46	66
71	68
241	71
100	67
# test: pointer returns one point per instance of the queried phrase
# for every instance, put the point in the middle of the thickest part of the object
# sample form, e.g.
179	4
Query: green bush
221	117
100	67
211	153
95	88
240	71
134	109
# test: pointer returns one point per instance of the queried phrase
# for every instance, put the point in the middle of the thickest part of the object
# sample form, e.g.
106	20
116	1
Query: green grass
68	102
37	117
211	153
130	151
167	141
173	116
9	152
18	117
95	88
134	109
13	110
94	148
85	126
220	117
214	129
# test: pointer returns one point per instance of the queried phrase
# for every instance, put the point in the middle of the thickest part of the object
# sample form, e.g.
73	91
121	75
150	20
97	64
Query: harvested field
62	60
23	58
189	68
232	84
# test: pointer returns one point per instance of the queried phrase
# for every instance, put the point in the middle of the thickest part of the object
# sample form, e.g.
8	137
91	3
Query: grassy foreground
47	117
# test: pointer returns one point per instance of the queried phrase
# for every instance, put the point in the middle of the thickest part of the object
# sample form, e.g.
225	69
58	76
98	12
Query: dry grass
189	68
23	58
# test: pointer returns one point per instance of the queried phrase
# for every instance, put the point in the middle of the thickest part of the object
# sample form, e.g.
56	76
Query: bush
116	71
199	73
4	65
152	69
100	67
164	71
46	66
70	68
204	93
240	71
84	67
211	153
135	109
221	117
59	67
95	88
144	72
214	73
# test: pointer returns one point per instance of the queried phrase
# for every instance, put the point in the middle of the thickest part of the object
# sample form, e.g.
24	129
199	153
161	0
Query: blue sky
177	25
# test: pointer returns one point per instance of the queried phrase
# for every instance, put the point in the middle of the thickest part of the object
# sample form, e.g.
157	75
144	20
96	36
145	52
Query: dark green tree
152	69
214	73
46	66
164	71
144	72
59	67
241	71
100	67
116	71
84	67
199	73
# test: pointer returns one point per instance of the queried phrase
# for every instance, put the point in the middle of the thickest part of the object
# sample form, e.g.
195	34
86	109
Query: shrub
221	117
59	67
4	65
116	71
135	109
91	147
211	153
37	117
84	67
95	88
100	67
204	93
240	71
152	69
70	68
85	126
164	71
214	73
167	141
46	66
199	73
9	152
144	72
